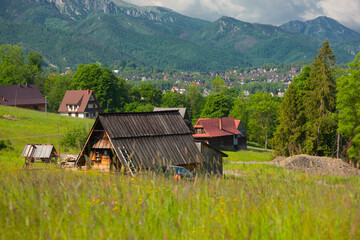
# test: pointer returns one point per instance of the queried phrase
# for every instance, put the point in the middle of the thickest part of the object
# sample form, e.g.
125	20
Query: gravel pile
317	165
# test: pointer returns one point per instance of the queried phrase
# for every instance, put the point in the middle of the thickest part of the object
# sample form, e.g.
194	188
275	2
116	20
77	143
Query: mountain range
72	32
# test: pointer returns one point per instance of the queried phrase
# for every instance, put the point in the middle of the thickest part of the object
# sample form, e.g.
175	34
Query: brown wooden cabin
149	140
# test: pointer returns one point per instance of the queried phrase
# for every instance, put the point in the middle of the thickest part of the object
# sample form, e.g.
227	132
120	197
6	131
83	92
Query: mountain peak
322	28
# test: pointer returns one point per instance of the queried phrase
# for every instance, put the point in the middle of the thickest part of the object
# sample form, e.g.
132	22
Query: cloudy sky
275	12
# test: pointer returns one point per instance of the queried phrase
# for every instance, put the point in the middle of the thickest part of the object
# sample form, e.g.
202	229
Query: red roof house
79	103
24	96
225	133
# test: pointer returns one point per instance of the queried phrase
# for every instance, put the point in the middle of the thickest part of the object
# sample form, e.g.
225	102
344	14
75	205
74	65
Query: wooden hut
136	141
39	153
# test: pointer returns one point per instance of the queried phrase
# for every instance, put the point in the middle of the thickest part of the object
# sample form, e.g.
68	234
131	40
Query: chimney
88	91
220	123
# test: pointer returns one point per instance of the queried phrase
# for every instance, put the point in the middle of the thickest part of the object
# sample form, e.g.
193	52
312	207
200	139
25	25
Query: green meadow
253	153
265	202
19	127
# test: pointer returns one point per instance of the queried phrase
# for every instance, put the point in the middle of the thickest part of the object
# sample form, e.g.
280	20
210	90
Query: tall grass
76	205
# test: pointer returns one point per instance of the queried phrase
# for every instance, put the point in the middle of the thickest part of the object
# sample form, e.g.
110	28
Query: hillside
71	32
22	126
264	43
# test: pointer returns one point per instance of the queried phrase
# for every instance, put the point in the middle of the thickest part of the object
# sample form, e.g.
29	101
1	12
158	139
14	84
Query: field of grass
254	153
277	205
265	202
33	127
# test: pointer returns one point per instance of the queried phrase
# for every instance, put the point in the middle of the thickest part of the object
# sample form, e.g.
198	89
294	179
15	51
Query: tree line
319	114
320	111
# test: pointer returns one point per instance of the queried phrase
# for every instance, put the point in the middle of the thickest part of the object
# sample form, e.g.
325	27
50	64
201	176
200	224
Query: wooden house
220	133
45	153
79	103
23	96
136	141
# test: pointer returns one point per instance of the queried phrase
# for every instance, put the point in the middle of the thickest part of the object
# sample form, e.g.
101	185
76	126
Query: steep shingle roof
28	94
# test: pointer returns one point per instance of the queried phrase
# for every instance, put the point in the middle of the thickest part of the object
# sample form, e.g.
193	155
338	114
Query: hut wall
213	160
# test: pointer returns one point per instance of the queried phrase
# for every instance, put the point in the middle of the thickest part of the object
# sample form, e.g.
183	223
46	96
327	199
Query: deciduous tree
348	104
262	116
217	105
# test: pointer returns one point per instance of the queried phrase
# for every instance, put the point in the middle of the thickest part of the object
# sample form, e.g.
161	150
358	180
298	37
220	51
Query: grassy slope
33	127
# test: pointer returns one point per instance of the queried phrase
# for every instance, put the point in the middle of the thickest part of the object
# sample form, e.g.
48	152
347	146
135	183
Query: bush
74	137
5	144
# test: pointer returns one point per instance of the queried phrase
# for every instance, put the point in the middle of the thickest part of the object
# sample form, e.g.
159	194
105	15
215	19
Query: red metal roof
76	97
216	127
28	94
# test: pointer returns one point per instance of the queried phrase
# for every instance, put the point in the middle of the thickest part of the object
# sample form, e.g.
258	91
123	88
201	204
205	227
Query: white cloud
274	12
347	12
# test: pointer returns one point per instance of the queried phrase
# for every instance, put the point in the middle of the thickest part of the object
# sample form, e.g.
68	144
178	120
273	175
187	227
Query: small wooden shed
45	153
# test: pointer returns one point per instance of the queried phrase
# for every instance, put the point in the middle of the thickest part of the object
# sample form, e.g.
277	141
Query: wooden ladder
125	155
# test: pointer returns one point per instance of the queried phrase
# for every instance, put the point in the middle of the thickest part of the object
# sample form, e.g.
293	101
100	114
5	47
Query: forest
319	114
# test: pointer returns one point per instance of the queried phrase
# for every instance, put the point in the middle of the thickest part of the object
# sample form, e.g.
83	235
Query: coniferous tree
290	134
320	104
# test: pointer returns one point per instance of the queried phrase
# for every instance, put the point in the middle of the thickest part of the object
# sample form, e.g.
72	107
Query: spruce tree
290	133
320	104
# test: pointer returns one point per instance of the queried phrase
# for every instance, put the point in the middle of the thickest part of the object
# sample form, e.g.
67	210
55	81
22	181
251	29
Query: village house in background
183	112
23	96
243	138
138	141
45	153
225	133
79	103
